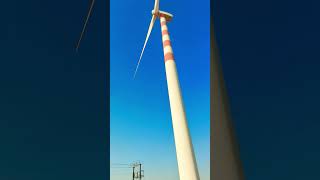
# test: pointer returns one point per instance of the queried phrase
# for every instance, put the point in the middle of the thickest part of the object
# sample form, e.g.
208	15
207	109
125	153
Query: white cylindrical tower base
185	154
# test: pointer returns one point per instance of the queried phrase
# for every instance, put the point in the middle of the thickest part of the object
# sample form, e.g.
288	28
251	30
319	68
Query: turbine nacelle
167	15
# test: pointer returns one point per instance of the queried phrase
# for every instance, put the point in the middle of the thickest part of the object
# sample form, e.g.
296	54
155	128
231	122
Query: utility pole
133	172
140	173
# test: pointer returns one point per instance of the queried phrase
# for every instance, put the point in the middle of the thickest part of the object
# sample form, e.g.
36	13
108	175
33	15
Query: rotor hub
167	15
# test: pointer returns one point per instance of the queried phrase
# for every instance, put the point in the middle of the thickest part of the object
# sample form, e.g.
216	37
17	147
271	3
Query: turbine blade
156	6
85	23
153	19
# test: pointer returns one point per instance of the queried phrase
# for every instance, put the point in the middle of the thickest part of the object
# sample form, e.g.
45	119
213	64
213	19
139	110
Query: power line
136	172
120	164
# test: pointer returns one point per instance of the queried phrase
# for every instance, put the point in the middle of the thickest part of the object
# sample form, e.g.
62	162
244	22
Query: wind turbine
184	150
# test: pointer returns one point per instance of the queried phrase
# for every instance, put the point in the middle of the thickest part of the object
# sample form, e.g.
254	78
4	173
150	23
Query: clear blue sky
141	126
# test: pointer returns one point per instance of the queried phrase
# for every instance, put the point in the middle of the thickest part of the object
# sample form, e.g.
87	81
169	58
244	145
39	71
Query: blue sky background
140	117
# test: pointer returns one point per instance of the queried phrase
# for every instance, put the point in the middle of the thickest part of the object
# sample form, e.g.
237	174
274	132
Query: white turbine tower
184	150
